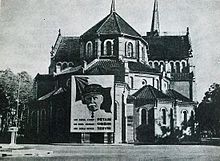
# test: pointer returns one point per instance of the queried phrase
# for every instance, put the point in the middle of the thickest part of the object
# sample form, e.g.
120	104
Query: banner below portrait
92	103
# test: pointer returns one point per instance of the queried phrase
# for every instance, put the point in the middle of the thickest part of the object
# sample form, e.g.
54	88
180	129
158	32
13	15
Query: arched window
43	118
64	66
158	83
89	48
143	54
130	52
150	63
143	116
171	119
177	67
71	64
108	48
192	114
172	67
183	67
132	82
156	65
144	82
185	116
164	116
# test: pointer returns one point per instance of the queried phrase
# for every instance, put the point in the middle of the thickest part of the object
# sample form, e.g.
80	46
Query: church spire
113	6
155	26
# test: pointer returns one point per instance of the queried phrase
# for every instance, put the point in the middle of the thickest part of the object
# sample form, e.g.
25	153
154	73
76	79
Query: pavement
121	152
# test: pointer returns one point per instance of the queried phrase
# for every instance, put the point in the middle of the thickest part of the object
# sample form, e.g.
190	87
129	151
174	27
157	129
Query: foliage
208	112
15	91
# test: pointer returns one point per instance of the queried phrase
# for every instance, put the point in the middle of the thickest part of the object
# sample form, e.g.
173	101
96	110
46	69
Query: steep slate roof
112	24
140	67
168	47
68	50
107	66
148	92
177	96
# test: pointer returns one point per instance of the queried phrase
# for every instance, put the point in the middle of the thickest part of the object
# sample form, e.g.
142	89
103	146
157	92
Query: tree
208	112
15	92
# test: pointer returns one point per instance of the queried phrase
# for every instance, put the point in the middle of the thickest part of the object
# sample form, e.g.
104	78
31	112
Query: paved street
126	153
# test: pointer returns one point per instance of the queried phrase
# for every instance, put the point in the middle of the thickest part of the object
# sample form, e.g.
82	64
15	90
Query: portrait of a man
97	99
92	103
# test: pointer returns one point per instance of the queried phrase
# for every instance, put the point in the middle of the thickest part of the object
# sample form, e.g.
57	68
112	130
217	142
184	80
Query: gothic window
143	54
43	118
172	67
158	84
164	116
132	82
171	119
183	67
143	116
185	116
130	51
89	48
64	66
70	64
177	67
156	65
108	48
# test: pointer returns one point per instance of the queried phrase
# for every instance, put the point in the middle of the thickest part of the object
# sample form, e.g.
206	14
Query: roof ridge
152	91
128	25
119	28
108	16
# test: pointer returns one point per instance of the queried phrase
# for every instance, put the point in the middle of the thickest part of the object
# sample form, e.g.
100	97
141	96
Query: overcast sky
29	28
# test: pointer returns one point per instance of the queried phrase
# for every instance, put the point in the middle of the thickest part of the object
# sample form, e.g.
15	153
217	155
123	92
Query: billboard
92	101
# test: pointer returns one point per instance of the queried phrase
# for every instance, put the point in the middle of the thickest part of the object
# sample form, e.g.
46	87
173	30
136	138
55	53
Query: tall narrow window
185	116
132	82
172	67
183	67
43	118
177	67
130	52
109	48
158	84
171	119
64	66
143	116
156	65
89	49
143	54
150	63
164	116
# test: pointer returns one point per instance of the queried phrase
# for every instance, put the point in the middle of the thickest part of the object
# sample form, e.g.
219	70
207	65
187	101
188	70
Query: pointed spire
113	8
155	26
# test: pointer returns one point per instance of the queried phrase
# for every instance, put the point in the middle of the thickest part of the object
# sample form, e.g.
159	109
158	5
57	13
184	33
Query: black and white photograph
109	80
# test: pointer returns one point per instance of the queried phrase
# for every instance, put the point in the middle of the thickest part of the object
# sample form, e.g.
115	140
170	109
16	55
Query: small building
148	82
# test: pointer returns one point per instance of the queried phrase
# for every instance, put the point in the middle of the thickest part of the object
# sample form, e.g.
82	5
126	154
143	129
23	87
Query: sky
28	29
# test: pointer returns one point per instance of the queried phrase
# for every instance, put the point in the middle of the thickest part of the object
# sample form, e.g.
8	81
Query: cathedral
112	85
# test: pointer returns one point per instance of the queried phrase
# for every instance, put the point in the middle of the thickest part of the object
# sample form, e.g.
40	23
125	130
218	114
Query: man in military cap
94	96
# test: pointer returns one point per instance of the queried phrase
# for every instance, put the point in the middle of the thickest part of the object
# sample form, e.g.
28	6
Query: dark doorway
96	137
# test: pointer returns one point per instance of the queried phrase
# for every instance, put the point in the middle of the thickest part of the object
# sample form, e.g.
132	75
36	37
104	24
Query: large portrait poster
92	103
